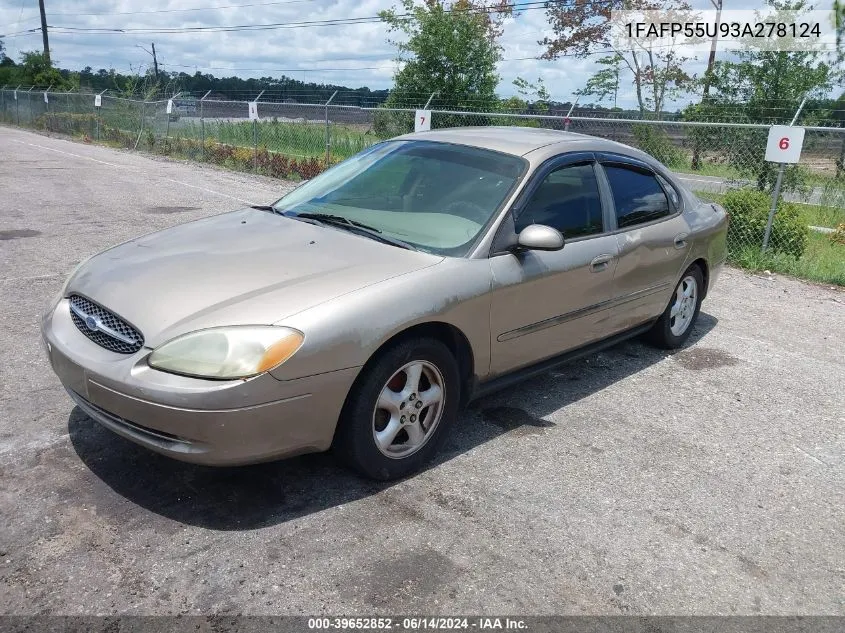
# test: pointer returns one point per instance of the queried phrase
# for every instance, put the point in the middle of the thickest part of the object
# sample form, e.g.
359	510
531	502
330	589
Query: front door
544	303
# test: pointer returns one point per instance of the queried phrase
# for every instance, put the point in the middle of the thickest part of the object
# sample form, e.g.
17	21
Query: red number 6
784	143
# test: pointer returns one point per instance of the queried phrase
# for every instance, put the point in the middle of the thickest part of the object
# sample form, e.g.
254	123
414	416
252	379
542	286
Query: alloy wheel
408	410
683	306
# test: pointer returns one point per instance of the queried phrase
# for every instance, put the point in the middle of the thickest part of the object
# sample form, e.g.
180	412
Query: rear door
652	238
544	303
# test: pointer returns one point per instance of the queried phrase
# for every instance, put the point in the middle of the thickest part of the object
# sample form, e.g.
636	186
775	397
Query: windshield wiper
328	218
358	227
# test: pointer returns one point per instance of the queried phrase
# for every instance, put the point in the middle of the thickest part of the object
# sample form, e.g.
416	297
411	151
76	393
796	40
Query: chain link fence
720	161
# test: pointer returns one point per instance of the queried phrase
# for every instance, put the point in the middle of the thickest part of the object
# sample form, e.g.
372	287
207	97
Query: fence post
17	107
167	127
776	191
98	109
427	103
141	129
328	136
47	103
567	120
29	98
255	134
775	196
202	126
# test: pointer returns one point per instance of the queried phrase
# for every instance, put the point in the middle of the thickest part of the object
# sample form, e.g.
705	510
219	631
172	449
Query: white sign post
422	122
253	110
46	100
170	106
783	146
98	103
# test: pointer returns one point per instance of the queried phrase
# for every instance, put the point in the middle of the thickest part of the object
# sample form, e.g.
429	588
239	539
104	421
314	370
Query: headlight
227	352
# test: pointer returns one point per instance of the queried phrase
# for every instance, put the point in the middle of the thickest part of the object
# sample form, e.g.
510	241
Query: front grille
103	327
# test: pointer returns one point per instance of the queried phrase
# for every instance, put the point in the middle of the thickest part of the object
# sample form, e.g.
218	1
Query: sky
351	55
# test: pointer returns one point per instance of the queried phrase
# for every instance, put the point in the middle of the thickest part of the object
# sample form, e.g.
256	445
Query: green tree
605	83
534	92
36	70
448	48
7	67
580	29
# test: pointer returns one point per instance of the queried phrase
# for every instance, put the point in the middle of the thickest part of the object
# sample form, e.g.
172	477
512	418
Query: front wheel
399	410
675	325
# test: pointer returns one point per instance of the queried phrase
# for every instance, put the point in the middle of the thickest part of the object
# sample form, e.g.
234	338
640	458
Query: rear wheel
399	410
675	325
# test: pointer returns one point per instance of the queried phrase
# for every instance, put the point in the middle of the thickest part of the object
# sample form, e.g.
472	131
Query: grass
302	140
816	215
730	173
825	215
823	261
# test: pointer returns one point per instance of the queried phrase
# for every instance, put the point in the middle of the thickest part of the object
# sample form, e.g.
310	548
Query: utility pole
155	60
708	78
44	32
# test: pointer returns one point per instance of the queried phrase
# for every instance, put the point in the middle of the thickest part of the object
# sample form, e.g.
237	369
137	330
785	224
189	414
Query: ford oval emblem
92	324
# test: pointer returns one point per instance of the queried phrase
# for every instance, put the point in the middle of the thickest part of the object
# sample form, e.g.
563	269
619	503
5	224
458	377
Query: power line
19	33
154	11
212	8
374	19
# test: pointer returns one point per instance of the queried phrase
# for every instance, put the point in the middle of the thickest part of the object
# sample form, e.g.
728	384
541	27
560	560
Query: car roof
520	141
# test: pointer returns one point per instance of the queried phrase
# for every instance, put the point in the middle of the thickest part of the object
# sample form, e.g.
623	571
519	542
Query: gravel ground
708	481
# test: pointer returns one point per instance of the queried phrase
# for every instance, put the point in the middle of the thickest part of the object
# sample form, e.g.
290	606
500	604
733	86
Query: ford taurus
364	308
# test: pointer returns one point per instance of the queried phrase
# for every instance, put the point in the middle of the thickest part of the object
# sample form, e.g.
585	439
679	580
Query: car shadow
251	497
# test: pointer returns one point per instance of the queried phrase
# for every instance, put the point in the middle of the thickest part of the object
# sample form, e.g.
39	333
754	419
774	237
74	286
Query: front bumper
202	421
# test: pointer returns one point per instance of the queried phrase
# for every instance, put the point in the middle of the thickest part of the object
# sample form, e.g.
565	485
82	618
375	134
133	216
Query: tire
383	398
668	332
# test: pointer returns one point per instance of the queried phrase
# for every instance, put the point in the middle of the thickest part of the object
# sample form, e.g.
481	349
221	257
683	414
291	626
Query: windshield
435	196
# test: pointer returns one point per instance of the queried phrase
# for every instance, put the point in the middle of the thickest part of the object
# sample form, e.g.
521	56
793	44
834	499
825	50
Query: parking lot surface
707	481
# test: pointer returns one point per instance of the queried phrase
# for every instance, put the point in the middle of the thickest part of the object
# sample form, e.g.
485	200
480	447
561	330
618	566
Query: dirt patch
16	234
415	577
698	358
451	501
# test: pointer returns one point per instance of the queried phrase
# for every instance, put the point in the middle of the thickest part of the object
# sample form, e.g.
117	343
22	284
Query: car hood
244	267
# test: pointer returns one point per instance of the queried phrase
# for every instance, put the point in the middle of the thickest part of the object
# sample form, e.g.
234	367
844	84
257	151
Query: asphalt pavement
707	481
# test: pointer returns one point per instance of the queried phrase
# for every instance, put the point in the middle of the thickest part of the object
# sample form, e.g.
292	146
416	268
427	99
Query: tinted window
671	192
638	196
568	200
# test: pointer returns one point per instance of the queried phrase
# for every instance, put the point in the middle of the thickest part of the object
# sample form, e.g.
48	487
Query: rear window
637	195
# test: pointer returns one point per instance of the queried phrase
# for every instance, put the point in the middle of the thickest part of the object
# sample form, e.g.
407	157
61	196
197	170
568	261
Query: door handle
600	263
681	240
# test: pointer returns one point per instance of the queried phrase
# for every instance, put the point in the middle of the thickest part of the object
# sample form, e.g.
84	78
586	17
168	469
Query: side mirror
539	237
